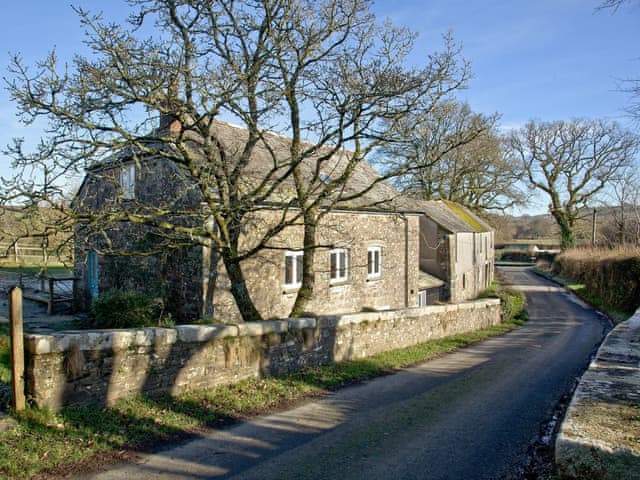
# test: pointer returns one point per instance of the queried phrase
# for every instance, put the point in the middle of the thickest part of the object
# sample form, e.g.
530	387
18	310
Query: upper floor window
293	269
128	181
339	264
374	262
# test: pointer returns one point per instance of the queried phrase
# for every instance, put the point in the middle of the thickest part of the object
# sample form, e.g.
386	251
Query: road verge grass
75	437
5	354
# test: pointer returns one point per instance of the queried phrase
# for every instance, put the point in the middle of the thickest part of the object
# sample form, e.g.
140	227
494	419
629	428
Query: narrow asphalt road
467	415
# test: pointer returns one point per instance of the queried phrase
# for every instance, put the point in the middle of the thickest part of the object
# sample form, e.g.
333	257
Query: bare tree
571	162
628	85
377	93
612	4
625	193
449	152
323	72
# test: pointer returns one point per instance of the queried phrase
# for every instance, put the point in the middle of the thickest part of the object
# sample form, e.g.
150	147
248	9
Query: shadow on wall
100	367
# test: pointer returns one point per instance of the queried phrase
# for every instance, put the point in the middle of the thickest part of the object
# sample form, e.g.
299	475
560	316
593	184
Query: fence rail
29	254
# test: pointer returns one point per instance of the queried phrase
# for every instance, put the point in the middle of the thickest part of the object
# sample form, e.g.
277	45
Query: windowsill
288	289
339	283
374	279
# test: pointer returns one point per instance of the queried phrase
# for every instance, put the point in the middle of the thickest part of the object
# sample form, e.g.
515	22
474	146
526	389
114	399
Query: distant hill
544	228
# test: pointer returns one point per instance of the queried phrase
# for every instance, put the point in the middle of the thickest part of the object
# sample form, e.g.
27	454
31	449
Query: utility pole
593	228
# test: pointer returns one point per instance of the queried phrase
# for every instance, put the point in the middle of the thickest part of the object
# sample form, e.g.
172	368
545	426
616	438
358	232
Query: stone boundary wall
102	366
600	435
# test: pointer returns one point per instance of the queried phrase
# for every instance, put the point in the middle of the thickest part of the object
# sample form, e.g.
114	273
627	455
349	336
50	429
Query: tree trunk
567	235
239	290
305	293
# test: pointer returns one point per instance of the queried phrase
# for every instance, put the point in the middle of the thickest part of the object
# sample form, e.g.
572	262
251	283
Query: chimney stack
170	117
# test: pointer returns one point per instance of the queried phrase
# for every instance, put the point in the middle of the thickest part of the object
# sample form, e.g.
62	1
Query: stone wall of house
175	274
193	281
397	236
99	367
473	264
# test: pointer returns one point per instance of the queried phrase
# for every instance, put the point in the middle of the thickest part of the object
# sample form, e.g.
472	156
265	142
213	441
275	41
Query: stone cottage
376	254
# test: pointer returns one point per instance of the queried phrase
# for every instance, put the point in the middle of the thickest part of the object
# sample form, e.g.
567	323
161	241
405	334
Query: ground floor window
422	298
430	296
339	264
374	262
293	269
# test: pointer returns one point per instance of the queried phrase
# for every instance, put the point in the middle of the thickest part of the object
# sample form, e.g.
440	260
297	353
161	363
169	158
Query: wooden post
17	348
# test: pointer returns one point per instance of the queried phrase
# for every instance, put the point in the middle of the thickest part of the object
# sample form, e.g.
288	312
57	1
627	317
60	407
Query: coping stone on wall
599	437
301	323
262	328
203	333
328	321
39	344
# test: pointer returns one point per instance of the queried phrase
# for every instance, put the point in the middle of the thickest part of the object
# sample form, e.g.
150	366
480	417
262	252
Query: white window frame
373	262
422	298
338	265
128	181
295	259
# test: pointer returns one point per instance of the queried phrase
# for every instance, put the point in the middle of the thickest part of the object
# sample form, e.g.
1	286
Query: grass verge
55	442
5	354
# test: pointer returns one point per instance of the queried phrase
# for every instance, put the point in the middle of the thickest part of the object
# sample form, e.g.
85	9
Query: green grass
48	441
5	354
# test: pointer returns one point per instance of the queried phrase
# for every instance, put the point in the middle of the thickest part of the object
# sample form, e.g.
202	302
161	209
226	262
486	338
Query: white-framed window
339	264
128	181
422	298
293	269
374	262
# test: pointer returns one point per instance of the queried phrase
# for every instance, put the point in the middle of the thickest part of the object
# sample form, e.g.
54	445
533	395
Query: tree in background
571	162
629	85
625	193
450	152
324	74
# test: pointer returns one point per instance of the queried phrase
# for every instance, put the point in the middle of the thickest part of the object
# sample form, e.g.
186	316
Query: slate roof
452	217
271	155
426	281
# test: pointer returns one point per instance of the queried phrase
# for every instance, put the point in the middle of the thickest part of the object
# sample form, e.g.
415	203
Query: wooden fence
27	253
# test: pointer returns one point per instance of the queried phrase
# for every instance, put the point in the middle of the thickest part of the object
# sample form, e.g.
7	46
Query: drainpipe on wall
406	259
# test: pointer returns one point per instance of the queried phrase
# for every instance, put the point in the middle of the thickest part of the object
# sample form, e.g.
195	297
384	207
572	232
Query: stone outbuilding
457	247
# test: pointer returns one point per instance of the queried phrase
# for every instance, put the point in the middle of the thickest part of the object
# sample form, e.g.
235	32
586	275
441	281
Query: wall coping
42	344
598	438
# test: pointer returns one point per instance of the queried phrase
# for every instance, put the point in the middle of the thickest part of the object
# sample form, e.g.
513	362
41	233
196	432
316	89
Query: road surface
471	414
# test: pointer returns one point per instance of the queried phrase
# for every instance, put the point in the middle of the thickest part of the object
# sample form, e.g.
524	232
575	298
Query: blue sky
543	59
